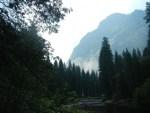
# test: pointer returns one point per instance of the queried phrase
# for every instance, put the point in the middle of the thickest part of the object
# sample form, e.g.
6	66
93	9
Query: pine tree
146	51
118	67
118	64
136	73
106	69
139	53
127	65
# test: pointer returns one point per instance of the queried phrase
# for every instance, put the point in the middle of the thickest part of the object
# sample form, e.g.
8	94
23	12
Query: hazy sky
86	16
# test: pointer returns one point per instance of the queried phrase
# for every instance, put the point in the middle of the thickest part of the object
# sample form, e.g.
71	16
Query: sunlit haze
86	16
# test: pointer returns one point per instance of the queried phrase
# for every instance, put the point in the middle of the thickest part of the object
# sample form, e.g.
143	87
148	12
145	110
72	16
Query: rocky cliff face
124	31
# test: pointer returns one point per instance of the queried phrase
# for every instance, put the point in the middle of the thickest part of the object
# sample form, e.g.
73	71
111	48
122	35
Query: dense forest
31	83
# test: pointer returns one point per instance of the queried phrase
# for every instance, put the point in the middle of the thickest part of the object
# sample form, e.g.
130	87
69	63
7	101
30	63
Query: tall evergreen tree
118	64
106	68
146	51
127	65
139	53
136	72
118	68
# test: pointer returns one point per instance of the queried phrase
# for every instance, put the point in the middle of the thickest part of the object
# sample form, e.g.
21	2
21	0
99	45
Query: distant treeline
122	76
85	84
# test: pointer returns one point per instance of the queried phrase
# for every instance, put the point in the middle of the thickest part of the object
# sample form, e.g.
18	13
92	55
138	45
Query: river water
96	105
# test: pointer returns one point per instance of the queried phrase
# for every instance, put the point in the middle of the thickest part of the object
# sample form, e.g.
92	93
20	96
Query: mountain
123	30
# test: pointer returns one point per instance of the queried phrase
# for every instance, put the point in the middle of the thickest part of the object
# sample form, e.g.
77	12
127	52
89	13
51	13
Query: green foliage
28	82
46	14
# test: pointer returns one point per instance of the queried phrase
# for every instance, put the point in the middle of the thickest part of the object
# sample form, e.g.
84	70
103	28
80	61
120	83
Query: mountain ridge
123	30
